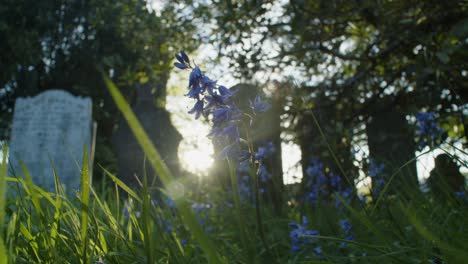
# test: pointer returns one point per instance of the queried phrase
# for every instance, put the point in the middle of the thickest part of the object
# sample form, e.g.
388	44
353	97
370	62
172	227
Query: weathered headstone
51	130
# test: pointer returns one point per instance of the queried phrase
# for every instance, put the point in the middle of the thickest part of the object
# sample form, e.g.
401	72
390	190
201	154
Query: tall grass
207	224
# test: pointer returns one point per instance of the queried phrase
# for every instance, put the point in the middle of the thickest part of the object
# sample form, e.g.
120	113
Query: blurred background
380	83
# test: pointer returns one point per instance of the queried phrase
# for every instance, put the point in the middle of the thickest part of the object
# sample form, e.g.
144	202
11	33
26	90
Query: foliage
47	228
349	60
368	56
61	45
194	221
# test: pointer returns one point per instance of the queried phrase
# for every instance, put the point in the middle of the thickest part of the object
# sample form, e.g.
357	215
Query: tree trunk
391	142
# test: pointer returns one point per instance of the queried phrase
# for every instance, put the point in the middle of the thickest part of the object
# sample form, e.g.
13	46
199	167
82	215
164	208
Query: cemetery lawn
192	221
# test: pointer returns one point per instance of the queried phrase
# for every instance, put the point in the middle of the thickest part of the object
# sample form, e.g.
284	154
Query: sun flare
196	159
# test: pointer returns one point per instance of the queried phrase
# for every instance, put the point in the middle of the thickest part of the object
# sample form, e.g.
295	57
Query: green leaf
85	191
3	176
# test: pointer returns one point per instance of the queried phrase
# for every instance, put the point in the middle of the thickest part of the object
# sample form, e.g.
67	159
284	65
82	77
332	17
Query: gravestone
52	130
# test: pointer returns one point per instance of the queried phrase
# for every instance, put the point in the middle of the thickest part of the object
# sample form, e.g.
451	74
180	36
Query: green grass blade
29	188
122	185
3	253
31	241
364	219
456	254
162	171
387	185
85	191
58	209
147	222
3	176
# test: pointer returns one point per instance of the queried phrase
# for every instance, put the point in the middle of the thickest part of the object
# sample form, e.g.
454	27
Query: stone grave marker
52	128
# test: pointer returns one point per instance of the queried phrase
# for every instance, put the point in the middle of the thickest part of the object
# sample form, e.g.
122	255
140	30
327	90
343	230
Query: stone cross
50	130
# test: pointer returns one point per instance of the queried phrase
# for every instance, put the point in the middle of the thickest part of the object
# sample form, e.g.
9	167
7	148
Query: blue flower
197	109
245	192
201	211
231	131
265	151
180	65
318	250
263	174
335	181
346	226
375	169
224	115
214	99
301	235
427	130
195	89
184	57
225	92
184	62
208	84
295	248
259	105
230	152
316	169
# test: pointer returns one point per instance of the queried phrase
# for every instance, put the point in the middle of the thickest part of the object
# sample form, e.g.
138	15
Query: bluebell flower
377	186
170	203
245	191
378	180
168	228
195	88
201	211
427	129
183	61
197	109
318	250
259	105
295	247
244	166
225	92
226	114
335	181
179	58
184	57
300	235
165	224
215	99
208	84
324	185
265	151
231	131
230	152
263	174
316	169
346	226
375	169
180	65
